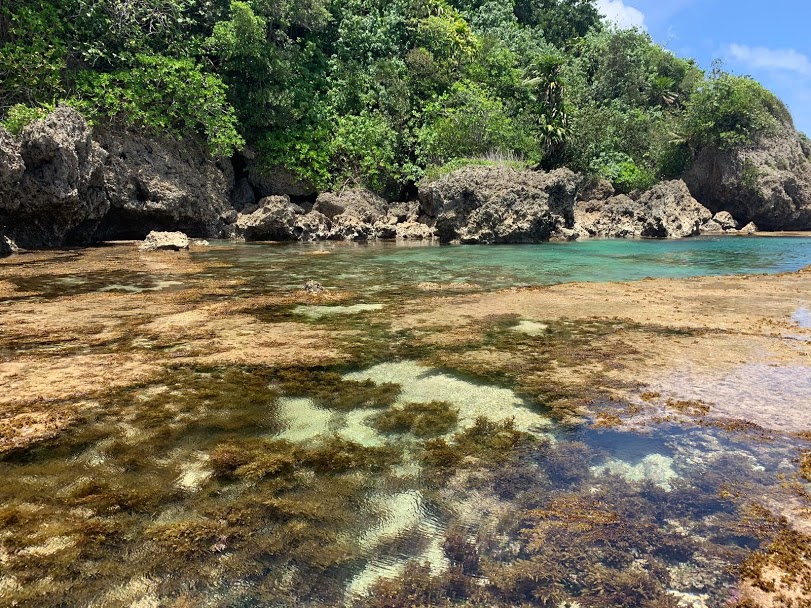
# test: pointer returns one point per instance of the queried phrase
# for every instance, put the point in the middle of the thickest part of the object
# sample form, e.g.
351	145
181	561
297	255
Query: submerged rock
665	211
52	181
165	241
768	183
500	205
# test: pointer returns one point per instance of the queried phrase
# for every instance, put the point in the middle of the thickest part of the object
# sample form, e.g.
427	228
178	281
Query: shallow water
387	481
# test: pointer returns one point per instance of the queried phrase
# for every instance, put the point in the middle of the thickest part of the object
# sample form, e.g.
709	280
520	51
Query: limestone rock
11	170
361	204
59	195
712	227
768	183
163	184
313	287
750	228
274	220
725	220
165	241
665	211
499	204
598	191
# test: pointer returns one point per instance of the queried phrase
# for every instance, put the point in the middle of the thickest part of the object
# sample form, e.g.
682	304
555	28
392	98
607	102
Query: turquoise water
387	267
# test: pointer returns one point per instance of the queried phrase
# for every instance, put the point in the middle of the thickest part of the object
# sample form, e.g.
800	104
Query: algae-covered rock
499	204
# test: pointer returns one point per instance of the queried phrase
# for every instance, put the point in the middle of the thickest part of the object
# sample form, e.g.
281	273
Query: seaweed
420	419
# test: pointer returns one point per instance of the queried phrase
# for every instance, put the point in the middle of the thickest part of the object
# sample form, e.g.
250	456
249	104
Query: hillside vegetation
377	93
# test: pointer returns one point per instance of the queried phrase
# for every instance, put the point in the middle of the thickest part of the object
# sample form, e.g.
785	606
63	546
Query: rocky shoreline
65	183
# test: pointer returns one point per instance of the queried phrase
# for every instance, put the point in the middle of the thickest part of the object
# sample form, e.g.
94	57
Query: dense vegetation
377	92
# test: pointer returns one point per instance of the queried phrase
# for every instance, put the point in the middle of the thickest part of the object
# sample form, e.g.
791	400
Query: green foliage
169	95
20	116
621	170
467	122
379	93
364	151
730	111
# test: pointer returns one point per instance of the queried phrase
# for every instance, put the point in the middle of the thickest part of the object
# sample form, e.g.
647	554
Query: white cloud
620	14
759	57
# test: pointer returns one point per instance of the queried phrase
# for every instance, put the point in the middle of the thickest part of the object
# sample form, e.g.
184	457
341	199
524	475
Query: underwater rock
165	241
665	211
499	204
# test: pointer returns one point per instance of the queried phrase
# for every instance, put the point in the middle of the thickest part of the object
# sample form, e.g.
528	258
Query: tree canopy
376	93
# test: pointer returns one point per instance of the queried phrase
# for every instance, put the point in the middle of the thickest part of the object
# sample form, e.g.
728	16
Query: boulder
768	183
313	287
498	204
278	219
51	181
273	220
165	241
725	220
361	204
750	228
162	184
413	231
665	211
712	227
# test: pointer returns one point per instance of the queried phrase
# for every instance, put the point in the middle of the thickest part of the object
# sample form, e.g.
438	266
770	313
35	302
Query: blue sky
769	40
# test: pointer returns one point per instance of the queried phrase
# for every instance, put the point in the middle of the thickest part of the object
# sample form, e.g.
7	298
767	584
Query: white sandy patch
303	419
530	328
318	312
655	468
422	385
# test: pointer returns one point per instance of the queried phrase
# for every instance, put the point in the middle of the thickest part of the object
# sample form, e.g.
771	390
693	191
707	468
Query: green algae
329	389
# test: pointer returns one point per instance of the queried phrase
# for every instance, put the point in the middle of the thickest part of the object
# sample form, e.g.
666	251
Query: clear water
258	486
387	267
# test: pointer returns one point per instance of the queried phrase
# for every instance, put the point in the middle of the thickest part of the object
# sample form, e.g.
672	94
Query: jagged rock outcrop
722	222
165	241
163	184
768	183
52	181
600	190
499	204
278	219
354	214
665	211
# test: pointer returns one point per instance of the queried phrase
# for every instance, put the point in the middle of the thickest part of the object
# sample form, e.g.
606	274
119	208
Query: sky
769	40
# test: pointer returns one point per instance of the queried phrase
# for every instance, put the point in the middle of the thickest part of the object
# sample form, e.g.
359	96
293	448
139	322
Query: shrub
730	111
20	115
172	96
621	170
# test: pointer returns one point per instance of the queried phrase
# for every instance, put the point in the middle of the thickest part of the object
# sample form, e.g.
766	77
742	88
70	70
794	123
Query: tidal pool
406	470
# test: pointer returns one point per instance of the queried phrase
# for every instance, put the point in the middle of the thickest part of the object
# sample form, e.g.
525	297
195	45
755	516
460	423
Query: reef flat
195	429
